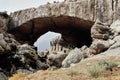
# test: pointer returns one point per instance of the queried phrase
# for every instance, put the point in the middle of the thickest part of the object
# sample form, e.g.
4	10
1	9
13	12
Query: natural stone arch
74	30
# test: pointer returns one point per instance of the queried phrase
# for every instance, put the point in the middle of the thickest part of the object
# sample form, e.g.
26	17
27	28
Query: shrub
95	70
108	65
111	64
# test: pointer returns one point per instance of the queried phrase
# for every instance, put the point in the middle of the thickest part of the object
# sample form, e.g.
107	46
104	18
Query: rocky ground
76	72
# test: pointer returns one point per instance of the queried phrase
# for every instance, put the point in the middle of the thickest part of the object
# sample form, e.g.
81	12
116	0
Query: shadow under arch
73	30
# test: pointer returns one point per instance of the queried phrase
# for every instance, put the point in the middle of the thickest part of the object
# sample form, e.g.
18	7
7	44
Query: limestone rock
7	43
85	9
59	45
26	54
3	76
99	46
4	21
43	54
114	50
117	38
3	43
86	50
73	57
56	59
102	36
1	50
41	65
116	44
100	30
115	26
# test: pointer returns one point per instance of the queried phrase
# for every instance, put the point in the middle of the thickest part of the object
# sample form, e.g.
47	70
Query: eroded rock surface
56	59
4	21
102	36
73	57
85	9
15	56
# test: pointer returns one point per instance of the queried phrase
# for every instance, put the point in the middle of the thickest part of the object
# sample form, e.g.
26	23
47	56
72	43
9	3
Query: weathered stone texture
105	10
7	43
59	45
3	23
73	57
56	59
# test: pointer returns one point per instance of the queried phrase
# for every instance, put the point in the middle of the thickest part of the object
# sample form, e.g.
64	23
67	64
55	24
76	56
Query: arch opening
43	42
73	30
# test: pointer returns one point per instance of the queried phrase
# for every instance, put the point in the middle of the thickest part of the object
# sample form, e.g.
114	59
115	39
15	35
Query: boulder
3	76
73	57
99	46
114	50
56	59
100	30
41	65
7	43
27	55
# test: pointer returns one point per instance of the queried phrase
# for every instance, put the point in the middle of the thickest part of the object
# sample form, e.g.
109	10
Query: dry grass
18	76
108	78
95	70
75	73
46	75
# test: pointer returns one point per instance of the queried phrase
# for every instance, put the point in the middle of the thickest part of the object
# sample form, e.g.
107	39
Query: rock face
101	34
85	9
114	50
59	45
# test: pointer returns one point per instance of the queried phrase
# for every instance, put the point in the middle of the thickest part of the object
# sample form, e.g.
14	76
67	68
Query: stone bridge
105	10
79	15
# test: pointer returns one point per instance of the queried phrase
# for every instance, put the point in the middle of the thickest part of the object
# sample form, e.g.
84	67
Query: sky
43	42
14	5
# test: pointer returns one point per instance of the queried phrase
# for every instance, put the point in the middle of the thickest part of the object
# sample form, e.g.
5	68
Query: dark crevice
113	5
